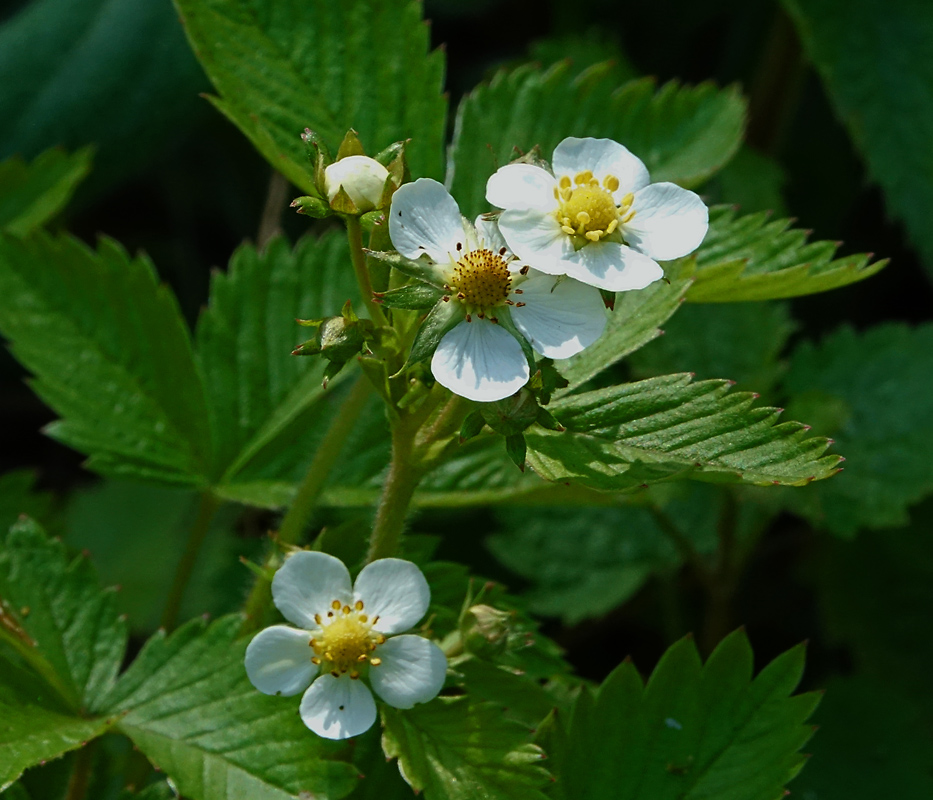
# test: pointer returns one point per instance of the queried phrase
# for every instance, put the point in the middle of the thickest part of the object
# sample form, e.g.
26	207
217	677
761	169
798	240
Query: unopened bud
361	177
485	630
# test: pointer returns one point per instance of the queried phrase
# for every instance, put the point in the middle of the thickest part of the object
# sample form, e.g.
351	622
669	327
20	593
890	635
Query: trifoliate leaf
35	726
875	394
695	731
455	749
57	618
188	706
750	258
325	66
671	427
874	58
110	354
683	134
31	194
258	392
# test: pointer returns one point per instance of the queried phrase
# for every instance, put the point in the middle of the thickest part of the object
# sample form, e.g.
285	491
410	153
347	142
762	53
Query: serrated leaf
874	58
695	731
749	258
259	394
187	704
110	354
34	725
327	66
31	194
623	437
875	392
632	324
56	616
683	134
452	749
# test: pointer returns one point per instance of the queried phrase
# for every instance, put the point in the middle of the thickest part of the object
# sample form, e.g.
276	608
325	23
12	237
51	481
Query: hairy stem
397	492
206	511
270	225
81	772
355	237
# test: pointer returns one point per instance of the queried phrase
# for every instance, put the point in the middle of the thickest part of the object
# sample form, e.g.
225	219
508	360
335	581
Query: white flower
596	218
362	178
489	290
346	633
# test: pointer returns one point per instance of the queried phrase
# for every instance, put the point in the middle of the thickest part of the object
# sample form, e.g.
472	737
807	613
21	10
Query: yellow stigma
482	280
587	208
346	641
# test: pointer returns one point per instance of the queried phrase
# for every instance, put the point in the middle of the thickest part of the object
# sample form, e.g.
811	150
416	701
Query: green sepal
318	155
331	370
392	153
422	269
516	449
547	420
609	299
512	414
312	207
350	146
413	297
546	381
471	426
343	204
441	319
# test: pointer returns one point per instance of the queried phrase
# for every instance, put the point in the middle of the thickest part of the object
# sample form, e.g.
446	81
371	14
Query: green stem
721	587
81	772
355	237
401	482
309	490
206	510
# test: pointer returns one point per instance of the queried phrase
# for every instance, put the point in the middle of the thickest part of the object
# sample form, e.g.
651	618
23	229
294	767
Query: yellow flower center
482	280
347	641
587	208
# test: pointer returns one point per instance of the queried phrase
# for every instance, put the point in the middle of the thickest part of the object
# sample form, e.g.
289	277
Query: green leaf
187	704
695	731
671	427
34	726
33	193
78	71
874	58
327	66
453	749
750	258
739	341
871	720
752	181
18	496
632	324
110	354
873	393
683	134
57	618
259	394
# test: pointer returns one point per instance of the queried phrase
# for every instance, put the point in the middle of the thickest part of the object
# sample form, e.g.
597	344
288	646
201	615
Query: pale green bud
362	179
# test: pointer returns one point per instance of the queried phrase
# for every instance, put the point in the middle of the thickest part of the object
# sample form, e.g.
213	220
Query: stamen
363	617
611	182
358	605
346	609
317	618
564	182
335	605
375	661
354	675
316	660
362	657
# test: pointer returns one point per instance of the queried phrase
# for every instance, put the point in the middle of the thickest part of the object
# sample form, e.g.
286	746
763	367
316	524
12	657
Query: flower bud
362	179
485	630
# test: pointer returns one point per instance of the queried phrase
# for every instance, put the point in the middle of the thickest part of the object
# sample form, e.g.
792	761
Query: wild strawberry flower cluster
347	635
531	277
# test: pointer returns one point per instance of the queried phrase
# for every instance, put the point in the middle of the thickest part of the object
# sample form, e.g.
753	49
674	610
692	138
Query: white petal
602	157
424	218
338	708
490	234
613	266
362	178
521	186
412	671
306	585
395	591
278	660
669	222
480	361
537	239
559	318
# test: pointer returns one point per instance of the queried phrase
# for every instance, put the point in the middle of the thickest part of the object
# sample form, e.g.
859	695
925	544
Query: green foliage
18	496
752	181
874	58
327	66
187	704
873	392
739	341
695	731
31	194
110	354
79	71
455	749
623	437
57	618
750	258
683	134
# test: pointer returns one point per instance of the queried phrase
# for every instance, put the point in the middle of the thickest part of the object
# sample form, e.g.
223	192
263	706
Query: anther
375	661
565	182
329	656
375	619
380	639
335	605
312	643
316	660
611	182
346	609
330	613
568	230
519	305
363	617
335	673
358	605
361	657
469	318
502	251
519	291
459	246
593	236
317	618
524	270
354	674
